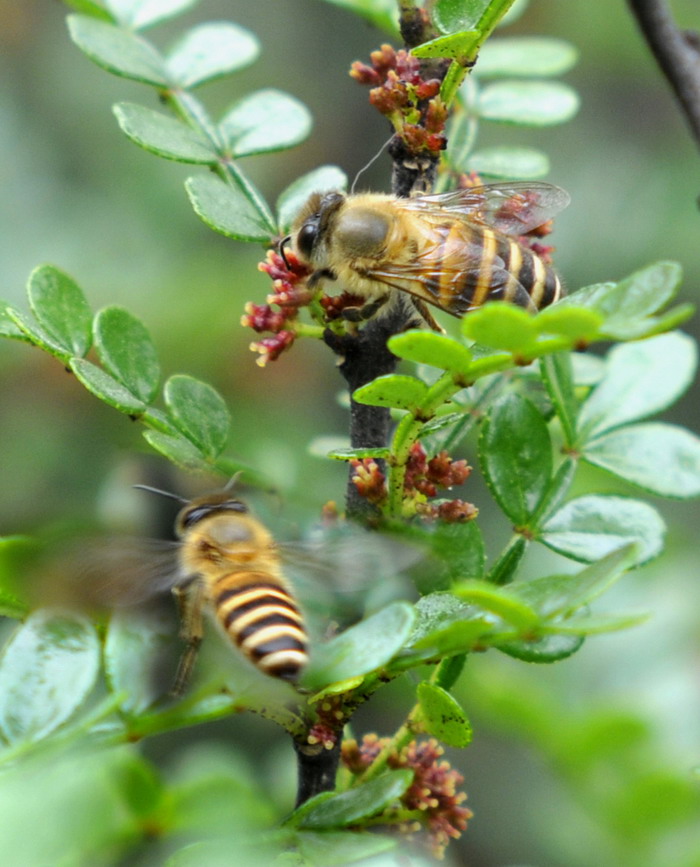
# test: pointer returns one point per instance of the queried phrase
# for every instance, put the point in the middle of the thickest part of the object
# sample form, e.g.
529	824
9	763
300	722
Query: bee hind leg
367	311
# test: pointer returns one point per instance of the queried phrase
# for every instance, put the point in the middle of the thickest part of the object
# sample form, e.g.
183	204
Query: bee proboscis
453	250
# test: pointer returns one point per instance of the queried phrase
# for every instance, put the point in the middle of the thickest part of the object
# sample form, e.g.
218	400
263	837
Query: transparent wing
512	208
110	571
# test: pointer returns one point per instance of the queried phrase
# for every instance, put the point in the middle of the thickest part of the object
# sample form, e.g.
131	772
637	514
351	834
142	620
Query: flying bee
454	250
228	559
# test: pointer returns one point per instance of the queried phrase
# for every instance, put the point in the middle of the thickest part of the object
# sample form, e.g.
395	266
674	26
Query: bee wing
513	208
453	278
111	572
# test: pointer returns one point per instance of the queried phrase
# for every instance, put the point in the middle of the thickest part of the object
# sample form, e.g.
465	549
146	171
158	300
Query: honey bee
227	558
454	250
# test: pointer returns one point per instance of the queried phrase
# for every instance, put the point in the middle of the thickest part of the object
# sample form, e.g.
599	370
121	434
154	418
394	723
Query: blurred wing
513	209
111	572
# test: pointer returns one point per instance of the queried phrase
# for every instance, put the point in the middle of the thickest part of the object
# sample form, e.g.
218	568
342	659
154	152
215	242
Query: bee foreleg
321	274
367	311
190	599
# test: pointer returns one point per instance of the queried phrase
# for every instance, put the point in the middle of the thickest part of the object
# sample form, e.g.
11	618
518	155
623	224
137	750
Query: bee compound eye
306	238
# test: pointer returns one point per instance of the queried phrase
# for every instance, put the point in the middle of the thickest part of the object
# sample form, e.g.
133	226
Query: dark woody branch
677	52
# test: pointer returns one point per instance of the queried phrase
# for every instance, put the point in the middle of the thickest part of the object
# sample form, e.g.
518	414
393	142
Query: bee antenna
281	247
232	481
368	164
162	493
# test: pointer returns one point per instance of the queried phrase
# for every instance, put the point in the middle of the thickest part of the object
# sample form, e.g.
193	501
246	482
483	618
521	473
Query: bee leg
321	274
190	599
367	311
427	316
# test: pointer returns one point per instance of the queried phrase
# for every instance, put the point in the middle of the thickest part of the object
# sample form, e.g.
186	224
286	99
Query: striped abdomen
474	264
261	618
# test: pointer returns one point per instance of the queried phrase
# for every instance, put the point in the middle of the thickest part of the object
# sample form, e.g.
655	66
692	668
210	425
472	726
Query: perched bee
455	250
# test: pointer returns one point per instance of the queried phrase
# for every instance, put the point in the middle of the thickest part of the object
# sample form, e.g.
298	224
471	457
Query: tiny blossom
432	794
456	511
322	733
369	480
270	348
334	305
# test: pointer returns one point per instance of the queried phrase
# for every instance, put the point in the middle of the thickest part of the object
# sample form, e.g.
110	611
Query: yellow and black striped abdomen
261	618
475	264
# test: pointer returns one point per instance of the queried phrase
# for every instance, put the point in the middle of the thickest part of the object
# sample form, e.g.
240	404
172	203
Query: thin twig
676	51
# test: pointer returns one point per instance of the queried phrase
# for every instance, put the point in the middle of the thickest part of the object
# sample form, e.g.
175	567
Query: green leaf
357	803
11	605
592	526
501	326
106	387
358	454
504	569
497	600
8	324
229	209
641	379
595	624
177	449
210	51
199	412
619	328
88	7
509	162
436	611
516	456
550	648
295	196
264	121
528	103
436	350
393	390
127	352
562	595
165	136
576	323
137	14
461	549
365	647
456	46
36	335
47	669
635	297
118	51
382	13
526	56
332	848
558	377
450	16
136	646
660	458
442	716
59	305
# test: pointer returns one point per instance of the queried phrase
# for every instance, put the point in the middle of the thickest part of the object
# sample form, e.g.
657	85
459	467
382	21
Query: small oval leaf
365	647
442	716
106	387
393	390
228	209
59	305
501	326
509	162
436	350
516	456
47	669
550	648
165	136
360	802
264	121
177	449
528	103
199	412
127	351
138	14
660	458
118	51
211	51
592	526
532	56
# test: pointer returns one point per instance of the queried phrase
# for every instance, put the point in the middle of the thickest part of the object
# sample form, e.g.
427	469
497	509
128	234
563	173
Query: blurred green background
546	790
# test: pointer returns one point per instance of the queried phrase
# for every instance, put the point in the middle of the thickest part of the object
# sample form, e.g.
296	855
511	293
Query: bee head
204	507
313	222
